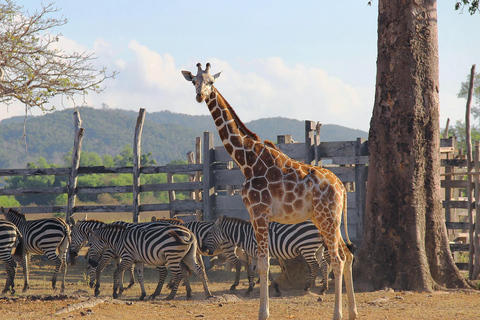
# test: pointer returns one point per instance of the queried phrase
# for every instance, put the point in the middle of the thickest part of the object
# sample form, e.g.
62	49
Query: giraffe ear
187	75
216	75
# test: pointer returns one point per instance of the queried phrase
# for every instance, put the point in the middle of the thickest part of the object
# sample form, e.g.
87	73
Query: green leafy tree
32	69
38	182
471	5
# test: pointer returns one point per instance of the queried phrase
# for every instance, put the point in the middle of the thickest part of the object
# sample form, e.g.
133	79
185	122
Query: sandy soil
40	302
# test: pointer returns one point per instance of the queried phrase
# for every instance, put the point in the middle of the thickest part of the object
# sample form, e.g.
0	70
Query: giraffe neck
234	134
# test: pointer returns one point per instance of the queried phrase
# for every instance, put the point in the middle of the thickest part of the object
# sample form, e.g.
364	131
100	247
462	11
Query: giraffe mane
241	126
270	144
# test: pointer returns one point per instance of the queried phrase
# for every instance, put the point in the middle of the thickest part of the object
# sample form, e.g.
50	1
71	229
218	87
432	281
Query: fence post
361	175
72	180
136	164
476	264
171	195
208	183
198	175
309	142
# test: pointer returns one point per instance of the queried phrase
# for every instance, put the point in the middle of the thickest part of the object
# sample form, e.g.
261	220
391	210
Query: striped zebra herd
160	243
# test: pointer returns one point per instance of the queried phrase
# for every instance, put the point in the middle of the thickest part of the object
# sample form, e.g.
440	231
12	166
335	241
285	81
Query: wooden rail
213	182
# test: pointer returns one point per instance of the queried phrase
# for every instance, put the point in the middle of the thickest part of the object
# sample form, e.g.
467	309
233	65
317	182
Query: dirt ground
40	302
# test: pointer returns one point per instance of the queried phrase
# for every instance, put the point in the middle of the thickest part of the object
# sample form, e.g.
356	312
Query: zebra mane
236	220
113	227
90	220
169	220
19	215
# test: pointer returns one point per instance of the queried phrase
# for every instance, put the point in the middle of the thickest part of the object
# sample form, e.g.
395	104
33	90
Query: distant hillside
168	136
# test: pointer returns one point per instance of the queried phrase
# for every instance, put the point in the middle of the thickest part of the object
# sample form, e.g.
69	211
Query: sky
306	60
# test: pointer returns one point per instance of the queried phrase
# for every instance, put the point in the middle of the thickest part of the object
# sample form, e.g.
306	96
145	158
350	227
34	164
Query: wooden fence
461	202
214	181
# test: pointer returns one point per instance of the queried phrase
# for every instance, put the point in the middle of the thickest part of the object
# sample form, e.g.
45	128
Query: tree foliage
125	158
458	129
471	5
32	67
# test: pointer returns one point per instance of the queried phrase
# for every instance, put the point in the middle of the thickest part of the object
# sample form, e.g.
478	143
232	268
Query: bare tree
32	68
405	240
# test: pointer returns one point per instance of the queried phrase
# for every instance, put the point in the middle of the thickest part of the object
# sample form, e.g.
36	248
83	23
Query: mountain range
166	135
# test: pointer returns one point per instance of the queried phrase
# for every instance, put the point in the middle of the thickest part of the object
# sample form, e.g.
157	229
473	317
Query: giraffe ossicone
278	188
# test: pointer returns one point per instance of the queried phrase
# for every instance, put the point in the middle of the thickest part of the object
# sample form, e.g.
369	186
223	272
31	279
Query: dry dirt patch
78	302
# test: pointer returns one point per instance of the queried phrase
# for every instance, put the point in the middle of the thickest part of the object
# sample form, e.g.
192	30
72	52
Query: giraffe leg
337	266
352	306
260	226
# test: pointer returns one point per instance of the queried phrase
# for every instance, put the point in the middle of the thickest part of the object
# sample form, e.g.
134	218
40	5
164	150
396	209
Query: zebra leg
132	277
278	293
186	281
313	266
177	277
10	266
58	264
190	261
117	275
162	274
139	266
25	259
325	268
104	261
250	275
233	258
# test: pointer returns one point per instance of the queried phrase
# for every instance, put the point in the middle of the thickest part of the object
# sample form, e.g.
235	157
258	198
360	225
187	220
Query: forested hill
168	136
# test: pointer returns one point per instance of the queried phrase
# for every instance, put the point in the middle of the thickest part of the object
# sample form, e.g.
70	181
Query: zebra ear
219	220
84	218
71	221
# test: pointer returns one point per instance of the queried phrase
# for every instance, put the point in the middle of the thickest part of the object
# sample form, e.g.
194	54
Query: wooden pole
309	142
72	180
476	265
171	195
468	143
318	161
445	133
198	175
136	164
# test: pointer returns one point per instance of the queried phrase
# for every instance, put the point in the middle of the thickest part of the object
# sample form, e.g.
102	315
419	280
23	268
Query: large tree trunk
405	240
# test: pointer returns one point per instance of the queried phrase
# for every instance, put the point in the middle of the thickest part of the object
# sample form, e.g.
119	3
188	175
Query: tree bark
405	242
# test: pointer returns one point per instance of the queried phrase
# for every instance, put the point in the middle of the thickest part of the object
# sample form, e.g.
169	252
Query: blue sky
304	60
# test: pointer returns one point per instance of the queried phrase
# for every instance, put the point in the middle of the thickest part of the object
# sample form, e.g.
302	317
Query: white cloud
256	88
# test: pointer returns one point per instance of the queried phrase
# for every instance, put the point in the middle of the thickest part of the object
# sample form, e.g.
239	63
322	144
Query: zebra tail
19	251
178	238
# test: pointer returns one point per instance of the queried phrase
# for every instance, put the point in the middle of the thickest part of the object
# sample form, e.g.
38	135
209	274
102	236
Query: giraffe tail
350	245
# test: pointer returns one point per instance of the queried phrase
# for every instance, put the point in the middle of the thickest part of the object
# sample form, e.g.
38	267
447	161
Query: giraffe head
203	81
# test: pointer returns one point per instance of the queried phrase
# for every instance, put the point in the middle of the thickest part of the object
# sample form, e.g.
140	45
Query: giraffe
278	188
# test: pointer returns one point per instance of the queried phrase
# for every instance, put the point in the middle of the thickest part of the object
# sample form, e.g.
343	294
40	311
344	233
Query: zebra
80	235
201	229
153	245
9	236
42	236
287	241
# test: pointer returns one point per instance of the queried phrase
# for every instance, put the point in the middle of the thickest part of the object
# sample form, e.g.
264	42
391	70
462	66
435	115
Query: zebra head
103	238
214	238
80	235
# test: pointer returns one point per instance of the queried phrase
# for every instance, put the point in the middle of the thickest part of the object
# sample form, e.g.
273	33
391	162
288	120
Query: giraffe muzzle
200	97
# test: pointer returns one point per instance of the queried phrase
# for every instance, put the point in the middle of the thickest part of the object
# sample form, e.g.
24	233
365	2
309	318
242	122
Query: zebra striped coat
9	235
201	230
153	244
43	236
287	241
80	235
